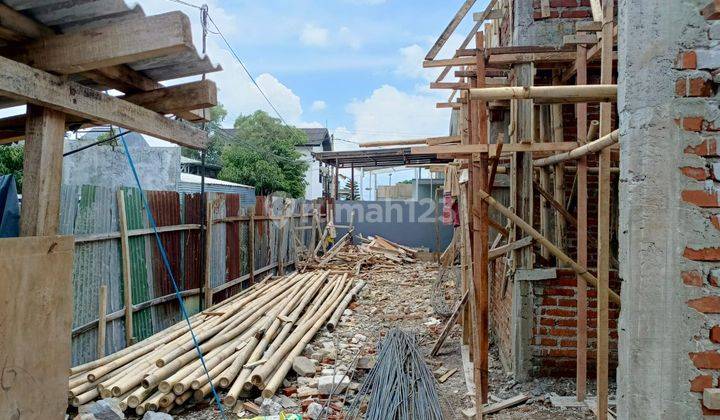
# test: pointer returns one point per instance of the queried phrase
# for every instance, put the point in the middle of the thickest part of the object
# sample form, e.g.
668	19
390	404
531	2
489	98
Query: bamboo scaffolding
584	150
548	94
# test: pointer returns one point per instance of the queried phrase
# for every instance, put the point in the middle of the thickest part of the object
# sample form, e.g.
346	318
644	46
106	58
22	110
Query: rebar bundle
400	386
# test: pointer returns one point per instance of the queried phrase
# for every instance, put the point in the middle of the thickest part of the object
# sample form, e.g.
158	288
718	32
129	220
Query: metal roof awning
377	158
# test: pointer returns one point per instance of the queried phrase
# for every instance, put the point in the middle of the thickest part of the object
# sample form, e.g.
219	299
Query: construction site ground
401	298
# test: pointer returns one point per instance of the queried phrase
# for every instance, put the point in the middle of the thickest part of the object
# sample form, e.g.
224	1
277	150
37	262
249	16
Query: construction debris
375	253
251	341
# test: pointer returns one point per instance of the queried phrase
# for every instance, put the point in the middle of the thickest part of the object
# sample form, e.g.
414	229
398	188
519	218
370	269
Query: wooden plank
34	86
604	197
549	94
435	141
499	60
535	274
123	42
449	85
207	276
597	10
42	166
580	39
588	26
36	313
443	38
451	62
510	402
453	105
556	121
251	247
560	208
102	323
581	232
174	99
500	251
491	148
126	269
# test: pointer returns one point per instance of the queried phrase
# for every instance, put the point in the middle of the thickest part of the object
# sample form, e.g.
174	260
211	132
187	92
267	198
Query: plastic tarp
9	208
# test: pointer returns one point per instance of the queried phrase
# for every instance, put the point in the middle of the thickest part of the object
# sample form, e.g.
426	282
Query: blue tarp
9	208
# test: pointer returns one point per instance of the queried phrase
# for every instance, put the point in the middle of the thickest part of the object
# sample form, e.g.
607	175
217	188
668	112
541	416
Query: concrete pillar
660	334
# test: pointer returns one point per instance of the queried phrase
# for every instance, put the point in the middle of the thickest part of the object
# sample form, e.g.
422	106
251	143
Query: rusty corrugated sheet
165	208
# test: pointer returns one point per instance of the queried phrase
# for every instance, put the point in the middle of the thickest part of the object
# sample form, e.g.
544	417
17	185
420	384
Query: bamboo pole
584	150
102	311
343	305
582	271
548	94
126	268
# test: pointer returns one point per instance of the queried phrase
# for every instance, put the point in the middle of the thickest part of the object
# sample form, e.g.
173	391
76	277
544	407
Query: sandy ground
402	299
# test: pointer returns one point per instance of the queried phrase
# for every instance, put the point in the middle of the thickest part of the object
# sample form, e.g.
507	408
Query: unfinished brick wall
501	311
697	77
555	325
567	9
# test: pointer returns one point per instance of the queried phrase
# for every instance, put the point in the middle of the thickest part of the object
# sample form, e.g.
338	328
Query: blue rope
166	262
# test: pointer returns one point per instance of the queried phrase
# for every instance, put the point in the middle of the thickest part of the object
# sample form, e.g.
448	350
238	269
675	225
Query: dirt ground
401	298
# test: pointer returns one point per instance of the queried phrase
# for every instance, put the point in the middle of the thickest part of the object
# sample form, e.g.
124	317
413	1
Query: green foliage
216	142
11	162
350	190
263	155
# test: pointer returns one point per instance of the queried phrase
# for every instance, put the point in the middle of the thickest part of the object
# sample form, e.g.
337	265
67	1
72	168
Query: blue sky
351	65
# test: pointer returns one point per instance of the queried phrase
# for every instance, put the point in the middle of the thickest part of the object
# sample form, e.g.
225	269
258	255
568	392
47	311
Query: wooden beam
597	10
459	15
172	99
435	141
449	325
34	86
614	297
455	61
588	26
560	208
491	148
498	60
581	231
584	150
449	85
580	39
119	43
251	246
42	166
453	105
126	267
603	216
549	94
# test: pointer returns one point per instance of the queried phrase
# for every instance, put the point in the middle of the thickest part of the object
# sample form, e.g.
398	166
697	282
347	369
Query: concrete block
152	415
304	366
105	409
333	384
708	59
711	398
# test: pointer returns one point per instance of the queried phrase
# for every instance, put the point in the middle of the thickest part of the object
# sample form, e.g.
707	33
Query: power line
246	69
185	3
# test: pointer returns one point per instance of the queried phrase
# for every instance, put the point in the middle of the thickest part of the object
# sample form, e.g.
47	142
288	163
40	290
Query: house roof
316	136
195	179
377	158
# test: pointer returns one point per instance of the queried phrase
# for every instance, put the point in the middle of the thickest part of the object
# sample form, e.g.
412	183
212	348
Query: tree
11	162
216	142
352	193
263	155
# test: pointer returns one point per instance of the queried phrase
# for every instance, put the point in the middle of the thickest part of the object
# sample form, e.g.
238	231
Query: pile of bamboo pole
248	341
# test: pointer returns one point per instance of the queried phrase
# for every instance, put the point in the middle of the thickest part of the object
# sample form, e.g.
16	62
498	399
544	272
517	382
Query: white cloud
314	36
318	106
349	38
390	114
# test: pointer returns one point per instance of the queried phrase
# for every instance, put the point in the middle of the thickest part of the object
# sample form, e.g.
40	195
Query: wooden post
281	247
604	195
521	197
352	181
337	178
251	246
582	337
102	311
42	166
207	285
556	120
480	237
126	268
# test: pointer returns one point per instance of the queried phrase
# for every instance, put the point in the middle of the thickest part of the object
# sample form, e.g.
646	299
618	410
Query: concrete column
657	329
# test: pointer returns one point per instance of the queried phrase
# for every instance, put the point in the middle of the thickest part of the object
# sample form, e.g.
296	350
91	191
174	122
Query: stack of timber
248	341
374	253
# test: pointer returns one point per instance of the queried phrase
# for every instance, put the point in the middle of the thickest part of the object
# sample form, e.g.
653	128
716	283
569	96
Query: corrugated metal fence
91	214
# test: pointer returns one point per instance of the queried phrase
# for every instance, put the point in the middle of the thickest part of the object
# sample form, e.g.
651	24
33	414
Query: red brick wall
695	80
555	325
